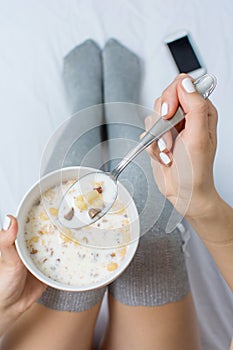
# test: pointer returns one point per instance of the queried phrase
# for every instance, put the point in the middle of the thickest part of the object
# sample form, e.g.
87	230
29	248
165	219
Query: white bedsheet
34	37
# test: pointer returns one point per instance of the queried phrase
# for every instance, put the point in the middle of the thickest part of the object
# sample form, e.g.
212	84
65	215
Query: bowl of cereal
74	259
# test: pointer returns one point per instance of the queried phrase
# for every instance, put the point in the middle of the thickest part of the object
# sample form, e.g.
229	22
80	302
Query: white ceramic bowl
50	180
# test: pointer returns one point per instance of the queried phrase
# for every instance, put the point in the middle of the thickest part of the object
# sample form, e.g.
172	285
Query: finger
7	239
169	99
159	150
163	145
142	135
212	121
151	120
157	105
166	139
9	231
194	106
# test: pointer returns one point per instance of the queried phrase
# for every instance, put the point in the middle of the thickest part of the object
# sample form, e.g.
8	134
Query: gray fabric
78	140
71	301
83	84
122	73
82	74
157	274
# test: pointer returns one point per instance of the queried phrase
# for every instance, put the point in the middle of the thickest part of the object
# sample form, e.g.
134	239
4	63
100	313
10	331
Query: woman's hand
183	160
18	288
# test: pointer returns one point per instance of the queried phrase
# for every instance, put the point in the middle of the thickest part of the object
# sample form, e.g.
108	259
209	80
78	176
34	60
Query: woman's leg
150	303
172	326
43	328
63	320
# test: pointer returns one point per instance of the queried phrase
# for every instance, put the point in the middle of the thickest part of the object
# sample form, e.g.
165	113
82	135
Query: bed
36	35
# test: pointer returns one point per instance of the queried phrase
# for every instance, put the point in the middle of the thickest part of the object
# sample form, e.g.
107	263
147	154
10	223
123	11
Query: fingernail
188	85
164	158
161	144
6	223
164	109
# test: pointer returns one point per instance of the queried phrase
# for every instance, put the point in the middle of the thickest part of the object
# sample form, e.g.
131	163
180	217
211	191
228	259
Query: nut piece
70	214
98	189
93	212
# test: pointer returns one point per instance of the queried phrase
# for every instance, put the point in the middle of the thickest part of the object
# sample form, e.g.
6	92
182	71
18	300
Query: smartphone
182	50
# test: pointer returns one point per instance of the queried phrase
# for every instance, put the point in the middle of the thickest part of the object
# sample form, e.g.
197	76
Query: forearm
215	228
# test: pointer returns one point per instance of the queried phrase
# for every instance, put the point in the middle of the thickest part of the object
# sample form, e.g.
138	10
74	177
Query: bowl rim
29	264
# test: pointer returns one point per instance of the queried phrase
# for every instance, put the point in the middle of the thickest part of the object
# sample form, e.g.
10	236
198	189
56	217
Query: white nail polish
161	144
164	109
188	85
164	157
6	223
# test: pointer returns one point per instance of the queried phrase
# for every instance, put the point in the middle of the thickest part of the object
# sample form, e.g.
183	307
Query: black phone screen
184	55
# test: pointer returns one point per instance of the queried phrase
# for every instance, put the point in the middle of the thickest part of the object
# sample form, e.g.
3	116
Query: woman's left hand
18	287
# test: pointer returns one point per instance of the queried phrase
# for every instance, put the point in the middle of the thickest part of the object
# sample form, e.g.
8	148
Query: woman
165	331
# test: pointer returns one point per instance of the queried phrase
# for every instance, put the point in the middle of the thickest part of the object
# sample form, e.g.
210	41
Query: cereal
92	196
80	204
53	211
75	257
112	266
43	216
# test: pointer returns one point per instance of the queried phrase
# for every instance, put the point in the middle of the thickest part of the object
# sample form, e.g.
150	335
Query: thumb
7	239
194	106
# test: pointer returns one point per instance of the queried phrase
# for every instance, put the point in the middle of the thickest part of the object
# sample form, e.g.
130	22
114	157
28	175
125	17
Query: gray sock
164	279
122	73
79	142
82	75
125	123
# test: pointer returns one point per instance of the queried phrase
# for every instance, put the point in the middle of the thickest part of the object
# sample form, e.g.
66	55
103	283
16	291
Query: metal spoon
94	205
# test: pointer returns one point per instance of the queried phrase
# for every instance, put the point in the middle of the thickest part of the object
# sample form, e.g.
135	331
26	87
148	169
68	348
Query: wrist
6	320
8	316
214	221
205	206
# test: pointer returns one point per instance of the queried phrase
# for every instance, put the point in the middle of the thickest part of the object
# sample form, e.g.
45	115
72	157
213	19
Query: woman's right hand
183	167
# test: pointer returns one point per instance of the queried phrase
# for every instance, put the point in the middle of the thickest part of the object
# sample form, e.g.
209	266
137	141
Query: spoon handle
204	85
